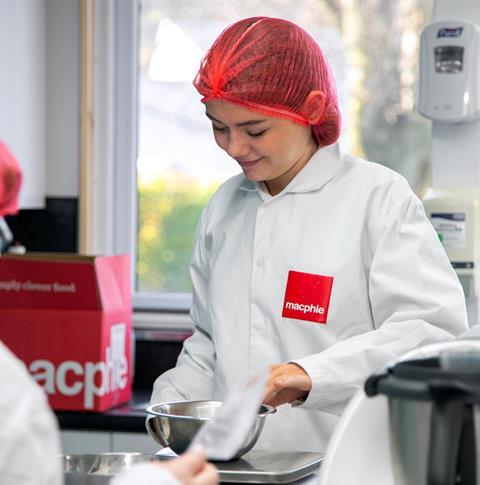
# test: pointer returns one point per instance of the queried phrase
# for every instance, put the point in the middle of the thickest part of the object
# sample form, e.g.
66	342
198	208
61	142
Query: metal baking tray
254	467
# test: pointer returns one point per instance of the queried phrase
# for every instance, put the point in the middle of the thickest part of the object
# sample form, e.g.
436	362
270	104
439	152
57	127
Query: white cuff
145	474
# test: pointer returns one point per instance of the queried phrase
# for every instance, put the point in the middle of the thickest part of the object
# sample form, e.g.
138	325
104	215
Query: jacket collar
319	170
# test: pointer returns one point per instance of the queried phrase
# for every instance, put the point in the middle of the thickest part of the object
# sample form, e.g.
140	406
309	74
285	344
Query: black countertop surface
128	417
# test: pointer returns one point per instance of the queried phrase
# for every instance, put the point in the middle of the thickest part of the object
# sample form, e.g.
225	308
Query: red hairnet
271	65
10	181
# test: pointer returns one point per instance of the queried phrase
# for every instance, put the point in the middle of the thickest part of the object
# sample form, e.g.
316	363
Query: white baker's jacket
29	438
354	221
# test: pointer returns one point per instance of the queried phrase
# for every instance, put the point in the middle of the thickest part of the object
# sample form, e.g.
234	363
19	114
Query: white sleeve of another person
29	437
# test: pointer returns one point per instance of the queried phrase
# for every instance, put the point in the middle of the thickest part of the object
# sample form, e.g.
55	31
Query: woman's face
268	149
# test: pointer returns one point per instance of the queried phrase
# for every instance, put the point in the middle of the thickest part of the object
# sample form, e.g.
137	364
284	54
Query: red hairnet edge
261	108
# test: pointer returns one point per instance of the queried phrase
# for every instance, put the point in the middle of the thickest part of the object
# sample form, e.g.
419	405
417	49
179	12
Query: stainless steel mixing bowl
176	423
99	469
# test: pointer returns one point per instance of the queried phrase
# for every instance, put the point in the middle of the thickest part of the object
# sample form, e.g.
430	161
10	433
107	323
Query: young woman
316	263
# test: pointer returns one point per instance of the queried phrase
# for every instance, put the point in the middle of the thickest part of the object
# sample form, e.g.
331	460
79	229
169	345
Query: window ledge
162	326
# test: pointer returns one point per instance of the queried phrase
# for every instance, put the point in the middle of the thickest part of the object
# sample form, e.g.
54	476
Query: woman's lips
249	163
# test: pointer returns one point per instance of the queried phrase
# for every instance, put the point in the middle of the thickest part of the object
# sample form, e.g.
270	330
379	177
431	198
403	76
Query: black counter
129	417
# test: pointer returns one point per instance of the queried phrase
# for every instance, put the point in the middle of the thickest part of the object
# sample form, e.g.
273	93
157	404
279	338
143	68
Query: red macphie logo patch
307	296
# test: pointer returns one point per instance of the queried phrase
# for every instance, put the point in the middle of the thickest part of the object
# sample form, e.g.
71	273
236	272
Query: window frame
123	119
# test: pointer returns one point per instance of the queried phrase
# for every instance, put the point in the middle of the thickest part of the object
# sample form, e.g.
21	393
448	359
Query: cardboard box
69	318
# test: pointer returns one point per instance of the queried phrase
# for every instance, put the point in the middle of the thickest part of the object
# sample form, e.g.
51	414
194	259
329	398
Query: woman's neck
275	186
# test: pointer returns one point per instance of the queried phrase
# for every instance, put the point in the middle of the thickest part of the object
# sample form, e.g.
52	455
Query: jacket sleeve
415	299
192	377
29	438
37	437
145	474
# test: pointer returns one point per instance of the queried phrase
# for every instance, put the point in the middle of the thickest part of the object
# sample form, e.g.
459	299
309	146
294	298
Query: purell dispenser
449	89
449	94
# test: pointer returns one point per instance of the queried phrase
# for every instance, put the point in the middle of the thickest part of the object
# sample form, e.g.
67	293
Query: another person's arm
29	437
188	469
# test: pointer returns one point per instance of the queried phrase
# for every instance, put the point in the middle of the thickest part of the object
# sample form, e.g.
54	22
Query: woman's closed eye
257	133
254	134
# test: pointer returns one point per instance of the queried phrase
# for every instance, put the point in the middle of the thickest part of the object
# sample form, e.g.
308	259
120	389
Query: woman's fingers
286	383
186	467
207	476
295	381
285	396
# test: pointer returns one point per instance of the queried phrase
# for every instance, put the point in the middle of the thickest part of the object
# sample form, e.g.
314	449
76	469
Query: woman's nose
236	146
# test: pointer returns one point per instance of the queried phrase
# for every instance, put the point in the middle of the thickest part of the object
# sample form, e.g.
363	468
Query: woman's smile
249	163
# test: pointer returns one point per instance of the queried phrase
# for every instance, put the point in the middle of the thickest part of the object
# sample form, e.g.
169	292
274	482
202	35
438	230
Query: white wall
62	94
23	92
39	94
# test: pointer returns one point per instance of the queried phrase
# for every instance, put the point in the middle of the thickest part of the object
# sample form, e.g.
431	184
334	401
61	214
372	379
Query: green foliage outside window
169	208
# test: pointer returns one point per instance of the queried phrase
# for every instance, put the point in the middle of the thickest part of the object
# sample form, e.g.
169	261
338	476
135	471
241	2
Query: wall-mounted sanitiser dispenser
449	85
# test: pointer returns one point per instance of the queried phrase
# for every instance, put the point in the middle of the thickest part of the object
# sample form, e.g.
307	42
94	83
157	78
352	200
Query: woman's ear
314	107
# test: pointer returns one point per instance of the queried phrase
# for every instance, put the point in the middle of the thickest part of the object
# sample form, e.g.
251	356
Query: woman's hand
286	383
192	469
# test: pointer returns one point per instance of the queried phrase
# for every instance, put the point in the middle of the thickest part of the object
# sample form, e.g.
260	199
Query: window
373	50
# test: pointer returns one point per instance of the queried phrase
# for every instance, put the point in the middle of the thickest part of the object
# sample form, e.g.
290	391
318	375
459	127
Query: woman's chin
253	175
